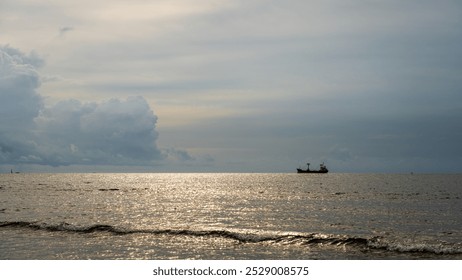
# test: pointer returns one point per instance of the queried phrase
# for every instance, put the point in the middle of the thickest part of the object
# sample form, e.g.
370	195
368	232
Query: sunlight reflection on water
227	215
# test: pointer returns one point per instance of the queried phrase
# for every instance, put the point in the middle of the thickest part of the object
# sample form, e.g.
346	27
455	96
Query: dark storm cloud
120	132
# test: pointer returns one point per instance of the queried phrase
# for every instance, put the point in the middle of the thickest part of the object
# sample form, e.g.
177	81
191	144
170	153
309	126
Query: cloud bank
112	132
260	86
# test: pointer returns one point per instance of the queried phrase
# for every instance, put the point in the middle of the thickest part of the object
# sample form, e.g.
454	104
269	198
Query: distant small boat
322	169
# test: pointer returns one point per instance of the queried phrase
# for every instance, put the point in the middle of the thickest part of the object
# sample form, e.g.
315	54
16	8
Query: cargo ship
322	169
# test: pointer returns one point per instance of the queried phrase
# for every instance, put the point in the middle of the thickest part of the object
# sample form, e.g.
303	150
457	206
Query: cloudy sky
231	85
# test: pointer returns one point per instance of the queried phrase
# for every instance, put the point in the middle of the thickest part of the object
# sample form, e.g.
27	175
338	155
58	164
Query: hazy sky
231	85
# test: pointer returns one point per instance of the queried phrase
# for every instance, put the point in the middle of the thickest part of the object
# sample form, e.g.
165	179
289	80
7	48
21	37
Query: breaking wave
372	243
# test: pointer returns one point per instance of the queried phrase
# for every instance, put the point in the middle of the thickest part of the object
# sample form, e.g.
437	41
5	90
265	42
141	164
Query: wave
421	248
320	239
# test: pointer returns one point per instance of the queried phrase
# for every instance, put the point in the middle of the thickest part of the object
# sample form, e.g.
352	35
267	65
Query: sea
230	216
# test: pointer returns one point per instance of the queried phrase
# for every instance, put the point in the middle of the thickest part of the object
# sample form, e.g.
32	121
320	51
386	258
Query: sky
230	86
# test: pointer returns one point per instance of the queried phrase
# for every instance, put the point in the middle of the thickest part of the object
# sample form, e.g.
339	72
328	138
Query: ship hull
311	171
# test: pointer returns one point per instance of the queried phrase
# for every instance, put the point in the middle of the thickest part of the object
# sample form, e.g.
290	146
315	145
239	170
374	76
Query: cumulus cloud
20	103
110	132
18	81
121	132
176	154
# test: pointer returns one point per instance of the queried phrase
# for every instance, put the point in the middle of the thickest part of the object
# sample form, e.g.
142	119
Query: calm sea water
230	216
